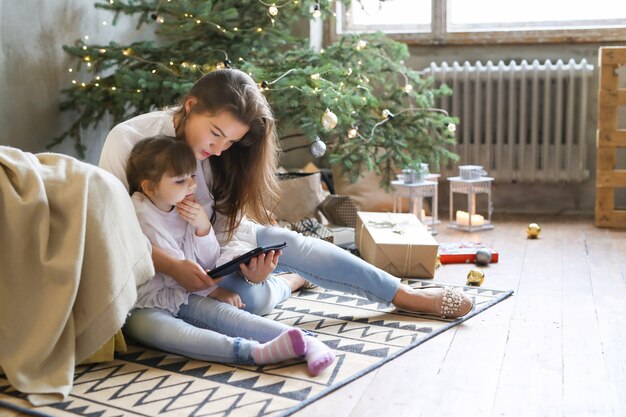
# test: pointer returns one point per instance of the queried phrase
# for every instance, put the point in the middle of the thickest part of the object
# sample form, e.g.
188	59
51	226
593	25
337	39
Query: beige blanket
71	256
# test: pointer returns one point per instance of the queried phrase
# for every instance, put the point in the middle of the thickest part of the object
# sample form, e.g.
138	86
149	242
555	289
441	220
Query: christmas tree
356	94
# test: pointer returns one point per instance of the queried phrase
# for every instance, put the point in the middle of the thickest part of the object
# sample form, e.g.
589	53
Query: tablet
233	266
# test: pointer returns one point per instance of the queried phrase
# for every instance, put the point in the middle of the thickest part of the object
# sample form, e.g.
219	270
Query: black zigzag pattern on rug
145	382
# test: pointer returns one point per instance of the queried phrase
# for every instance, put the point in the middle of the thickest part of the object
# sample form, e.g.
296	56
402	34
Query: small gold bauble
475	277
533	231
329	120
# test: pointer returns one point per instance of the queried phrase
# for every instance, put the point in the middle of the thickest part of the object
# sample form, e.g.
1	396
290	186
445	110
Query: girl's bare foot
294	281
444	302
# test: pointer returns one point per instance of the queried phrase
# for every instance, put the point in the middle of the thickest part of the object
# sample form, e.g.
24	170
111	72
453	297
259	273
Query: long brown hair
244	176
153	157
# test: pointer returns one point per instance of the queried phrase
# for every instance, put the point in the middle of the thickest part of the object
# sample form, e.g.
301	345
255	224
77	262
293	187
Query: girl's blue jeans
207	329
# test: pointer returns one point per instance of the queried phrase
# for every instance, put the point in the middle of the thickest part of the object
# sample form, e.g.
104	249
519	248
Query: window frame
439	35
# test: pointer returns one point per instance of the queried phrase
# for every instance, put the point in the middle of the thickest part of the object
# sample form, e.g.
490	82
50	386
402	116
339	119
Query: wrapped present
311	227
397	243
340	210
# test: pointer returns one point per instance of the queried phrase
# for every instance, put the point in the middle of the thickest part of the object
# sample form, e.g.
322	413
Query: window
486	21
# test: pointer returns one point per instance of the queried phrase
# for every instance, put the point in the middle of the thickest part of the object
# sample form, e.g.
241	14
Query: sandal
449	303
454	303
308	285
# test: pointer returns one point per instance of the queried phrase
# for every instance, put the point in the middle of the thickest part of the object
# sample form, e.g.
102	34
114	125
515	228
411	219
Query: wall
525	197
34	68
536	197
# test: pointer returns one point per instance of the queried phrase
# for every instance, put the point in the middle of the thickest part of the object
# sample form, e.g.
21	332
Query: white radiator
522	122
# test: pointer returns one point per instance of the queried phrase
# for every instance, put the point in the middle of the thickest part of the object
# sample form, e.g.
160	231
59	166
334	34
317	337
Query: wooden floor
557	347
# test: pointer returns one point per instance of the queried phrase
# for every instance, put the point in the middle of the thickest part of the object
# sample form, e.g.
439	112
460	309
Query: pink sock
318	355
290	344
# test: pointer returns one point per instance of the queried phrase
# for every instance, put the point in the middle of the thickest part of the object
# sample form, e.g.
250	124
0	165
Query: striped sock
318	355
290	344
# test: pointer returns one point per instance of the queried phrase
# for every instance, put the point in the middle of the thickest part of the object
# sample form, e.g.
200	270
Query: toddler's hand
194	214
227	296
260	267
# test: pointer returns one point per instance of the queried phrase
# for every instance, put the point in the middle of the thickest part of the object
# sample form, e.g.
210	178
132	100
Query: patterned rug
145	382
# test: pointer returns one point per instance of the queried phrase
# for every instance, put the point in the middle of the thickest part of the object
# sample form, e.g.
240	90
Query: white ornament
329	120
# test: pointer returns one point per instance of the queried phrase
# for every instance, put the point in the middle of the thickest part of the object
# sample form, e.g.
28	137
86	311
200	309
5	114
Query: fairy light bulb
272	10
220	65
387	114
407	88
160	19
316	12
361	43
352	133
451	127
329	120
315	77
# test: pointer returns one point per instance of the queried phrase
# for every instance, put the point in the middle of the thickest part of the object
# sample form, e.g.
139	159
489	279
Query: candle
463	218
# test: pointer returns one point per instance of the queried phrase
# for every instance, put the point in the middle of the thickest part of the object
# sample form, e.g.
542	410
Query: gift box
340	210
312	227
397	243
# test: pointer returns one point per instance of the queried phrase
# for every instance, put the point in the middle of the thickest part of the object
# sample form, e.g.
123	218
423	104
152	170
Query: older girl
228	123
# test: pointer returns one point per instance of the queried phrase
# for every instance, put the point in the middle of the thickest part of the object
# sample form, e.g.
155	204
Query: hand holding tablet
233	265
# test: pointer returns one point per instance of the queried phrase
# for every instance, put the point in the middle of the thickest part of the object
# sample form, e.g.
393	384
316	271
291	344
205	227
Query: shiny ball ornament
272	10
317	148
475	277
483	257
533	231
329	120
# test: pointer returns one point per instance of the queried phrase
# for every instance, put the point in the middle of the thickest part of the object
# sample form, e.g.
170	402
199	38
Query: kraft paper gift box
397	243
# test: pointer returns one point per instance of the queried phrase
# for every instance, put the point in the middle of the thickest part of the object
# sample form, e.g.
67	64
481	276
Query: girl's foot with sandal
445	302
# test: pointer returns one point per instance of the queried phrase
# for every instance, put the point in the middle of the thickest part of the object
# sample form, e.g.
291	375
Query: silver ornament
317	148
483	257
